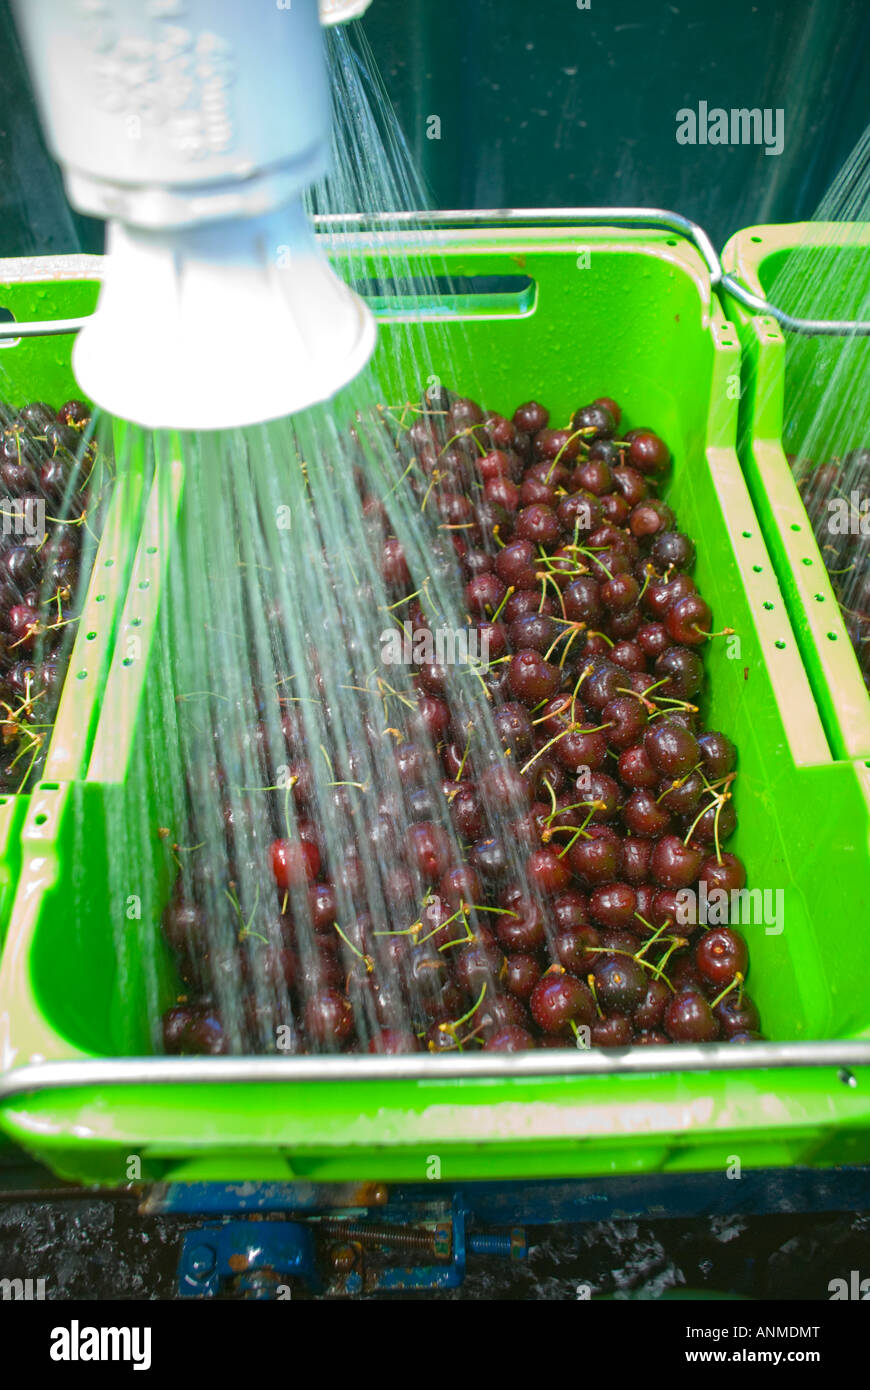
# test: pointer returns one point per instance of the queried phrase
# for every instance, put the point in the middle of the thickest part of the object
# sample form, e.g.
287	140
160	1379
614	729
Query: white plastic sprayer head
341	11
194	127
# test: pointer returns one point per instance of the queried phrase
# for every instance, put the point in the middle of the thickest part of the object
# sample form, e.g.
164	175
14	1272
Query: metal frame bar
489	217
205	1071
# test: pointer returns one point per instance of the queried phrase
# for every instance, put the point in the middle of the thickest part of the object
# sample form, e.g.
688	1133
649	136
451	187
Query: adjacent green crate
775	376
635	318
39	369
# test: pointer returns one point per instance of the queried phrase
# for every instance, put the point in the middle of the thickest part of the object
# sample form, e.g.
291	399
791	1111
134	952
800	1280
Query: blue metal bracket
268	1258
256	1257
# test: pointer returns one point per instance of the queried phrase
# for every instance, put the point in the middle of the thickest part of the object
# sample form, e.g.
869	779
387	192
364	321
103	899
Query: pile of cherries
843	534
46	463
614	796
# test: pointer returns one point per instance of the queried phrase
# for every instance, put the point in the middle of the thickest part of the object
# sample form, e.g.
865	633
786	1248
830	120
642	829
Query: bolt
411	1238
202	1261
482	1244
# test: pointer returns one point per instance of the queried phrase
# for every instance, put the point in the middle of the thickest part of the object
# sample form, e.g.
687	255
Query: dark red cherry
736	1015
642	815
648	452
689	1018
509	1038
569	909
718	820
579	513
547	872
294	862
490	858
675	865
516	565
653	639
650	1011
558	443
558	1000
538	524
531	678
429	849
523	973
649	518
613	905
681	795
614	1030
631	484
531	417
627	719
582	600
636	852
720	954
689	621
575	949
671	748
682	671
595	859
596	421
728	873
477	964
620	983
718	754
672	550
521	927
635	769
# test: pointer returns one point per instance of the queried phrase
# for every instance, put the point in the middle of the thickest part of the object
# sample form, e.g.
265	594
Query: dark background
542	104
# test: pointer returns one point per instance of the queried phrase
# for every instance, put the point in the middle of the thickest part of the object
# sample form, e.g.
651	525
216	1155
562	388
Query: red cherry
294	862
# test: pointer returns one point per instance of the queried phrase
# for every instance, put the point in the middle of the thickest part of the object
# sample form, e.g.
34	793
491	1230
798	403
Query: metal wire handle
204	1071
615	217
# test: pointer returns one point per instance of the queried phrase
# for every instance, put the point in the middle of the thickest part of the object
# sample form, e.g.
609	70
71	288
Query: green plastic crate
635	318
39	369
775	377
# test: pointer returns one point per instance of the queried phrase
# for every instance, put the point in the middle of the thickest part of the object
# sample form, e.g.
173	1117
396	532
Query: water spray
194	129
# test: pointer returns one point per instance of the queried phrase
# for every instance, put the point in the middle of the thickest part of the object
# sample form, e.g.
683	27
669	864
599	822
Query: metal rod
489	217
814	328
635	217
42	328
205	1071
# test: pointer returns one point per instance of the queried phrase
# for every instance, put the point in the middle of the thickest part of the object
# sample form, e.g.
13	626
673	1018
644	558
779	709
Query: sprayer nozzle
220	324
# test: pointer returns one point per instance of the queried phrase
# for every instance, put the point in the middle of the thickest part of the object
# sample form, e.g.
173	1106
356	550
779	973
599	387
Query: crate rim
570	1062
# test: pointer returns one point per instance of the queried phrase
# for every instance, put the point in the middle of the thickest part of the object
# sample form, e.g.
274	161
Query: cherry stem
590	980
587	671
549	744
703	811
656	933
738	981
574	630
509	591
580	829
577	434
457	1022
